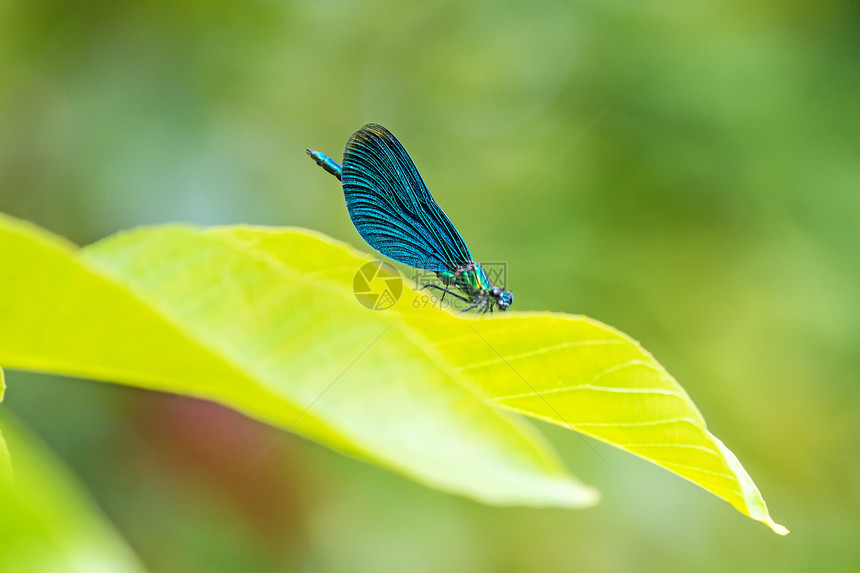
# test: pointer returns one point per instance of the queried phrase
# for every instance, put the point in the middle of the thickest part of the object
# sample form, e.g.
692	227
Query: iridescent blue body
326	163
393	211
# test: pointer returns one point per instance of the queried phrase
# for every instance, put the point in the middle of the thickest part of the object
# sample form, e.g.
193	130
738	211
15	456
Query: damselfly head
504	298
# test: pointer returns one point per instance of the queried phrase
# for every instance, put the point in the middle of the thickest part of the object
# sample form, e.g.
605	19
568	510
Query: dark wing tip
372	131
375	128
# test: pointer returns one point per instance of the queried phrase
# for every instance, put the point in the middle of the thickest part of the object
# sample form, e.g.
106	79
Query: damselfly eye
496	292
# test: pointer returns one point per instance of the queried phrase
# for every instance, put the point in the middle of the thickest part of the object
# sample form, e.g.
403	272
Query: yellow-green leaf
47	522
264	320
5	461
179	310
578	373
567	370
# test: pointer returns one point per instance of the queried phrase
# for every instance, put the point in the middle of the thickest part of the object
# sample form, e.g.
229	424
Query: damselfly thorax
473	282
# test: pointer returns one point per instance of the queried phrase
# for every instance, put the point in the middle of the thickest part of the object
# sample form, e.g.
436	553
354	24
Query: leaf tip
576	495
559	492
758	510
583	496
777	528
754	505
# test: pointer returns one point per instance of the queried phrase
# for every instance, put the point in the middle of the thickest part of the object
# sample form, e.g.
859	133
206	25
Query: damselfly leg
445	291
476	302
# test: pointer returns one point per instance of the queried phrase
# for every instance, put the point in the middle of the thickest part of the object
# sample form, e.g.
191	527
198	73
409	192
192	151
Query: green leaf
180	310
47	522
567	370
578	373
265	319
5	460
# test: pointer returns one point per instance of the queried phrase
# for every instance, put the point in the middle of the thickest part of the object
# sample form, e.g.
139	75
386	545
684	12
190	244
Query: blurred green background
708	204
